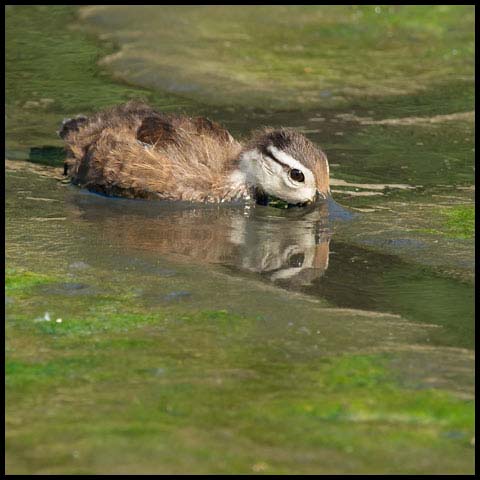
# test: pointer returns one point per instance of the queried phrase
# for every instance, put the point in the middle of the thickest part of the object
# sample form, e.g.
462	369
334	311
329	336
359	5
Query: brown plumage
133	151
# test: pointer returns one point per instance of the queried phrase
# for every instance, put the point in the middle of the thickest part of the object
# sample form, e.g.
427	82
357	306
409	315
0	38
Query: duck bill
318	197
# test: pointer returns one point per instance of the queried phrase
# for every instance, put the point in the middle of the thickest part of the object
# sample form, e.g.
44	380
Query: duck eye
296	261
297	175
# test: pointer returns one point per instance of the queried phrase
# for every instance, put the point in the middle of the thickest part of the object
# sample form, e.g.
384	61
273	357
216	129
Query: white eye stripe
270	169
286	159
276	160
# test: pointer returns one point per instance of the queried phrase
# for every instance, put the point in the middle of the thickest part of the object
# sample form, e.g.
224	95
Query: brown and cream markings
133	151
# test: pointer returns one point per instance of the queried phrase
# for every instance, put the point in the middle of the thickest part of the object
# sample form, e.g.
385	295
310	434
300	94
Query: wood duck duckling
133	151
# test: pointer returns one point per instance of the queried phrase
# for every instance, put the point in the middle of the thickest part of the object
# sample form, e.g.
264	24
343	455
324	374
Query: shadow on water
46	155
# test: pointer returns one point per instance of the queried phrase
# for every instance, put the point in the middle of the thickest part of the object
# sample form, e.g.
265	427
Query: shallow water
171	338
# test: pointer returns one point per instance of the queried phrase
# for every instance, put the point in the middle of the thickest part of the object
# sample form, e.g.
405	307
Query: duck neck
236	186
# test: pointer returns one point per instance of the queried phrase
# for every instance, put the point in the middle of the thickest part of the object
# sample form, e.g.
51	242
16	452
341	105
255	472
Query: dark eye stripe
275	159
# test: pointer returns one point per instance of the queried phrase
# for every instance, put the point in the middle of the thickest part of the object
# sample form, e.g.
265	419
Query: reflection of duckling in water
133	151
293	252
289	247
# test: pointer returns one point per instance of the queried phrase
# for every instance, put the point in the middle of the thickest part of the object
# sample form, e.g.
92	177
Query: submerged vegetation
456	222
159	385
289	56
460	221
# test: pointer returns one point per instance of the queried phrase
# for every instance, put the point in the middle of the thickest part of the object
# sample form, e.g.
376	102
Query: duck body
133	151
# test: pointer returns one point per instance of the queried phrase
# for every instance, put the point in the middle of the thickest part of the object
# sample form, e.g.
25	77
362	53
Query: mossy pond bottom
131	346
149	337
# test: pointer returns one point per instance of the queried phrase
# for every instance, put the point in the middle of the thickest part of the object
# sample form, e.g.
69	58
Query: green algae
16	280
297	415
457	222
177	384
288	56
460	221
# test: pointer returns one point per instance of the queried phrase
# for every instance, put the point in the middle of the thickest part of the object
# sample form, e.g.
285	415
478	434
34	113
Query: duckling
133	151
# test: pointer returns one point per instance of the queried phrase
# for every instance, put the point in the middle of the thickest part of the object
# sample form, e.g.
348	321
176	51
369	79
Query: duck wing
132	150
158	129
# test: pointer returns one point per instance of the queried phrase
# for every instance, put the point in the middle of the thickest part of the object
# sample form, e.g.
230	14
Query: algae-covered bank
150	337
